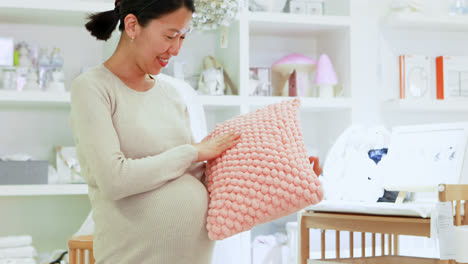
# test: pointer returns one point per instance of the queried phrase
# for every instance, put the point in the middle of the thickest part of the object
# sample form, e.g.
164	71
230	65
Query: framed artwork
425	156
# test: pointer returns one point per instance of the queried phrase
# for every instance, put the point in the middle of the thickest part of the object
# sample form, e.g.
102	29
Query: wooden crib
387	227
80	250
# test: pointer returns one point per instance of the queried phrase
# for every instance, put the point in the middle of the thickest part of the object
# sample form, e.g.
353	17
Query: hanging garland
211	14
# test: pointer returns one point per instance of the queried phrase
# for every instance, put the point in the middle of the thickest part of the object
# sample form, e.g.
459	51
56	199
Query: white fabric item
15	241
270	249
18	252
18	261
18	157
87	228
418	209
348	173
195	109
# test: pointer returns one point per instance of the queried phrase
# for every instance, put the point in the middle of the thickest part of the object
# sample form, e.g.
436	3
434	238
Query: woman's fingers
228	137
233	143
230	142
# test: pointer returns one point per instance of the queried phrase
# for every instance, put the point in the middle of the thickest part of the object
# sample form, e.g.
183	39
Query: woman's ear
131	26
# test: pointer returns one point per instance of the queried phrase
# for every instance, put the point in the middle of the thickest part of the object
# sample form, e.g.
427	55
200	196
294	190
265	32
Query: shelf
447	105
219	100
307	103
53	12
210	102
292	24
424	23
50	98
43	189
33	97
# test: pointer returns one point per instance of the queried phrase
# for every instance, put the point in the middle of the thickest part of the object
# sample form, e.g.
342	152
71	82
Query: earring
132	39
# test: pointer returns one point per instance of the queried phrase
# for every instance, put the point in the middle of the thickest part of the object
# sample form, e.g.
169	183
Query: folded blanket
18	261
15	241
18	252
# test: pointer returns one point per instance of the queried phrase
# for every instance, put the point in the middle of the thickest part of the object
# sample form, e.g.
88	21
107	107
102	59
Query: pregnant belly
172	217
182	202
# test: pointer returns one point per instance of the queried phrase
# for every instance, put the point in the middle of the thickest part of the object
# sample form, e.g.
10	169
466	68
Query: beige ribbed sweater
136	155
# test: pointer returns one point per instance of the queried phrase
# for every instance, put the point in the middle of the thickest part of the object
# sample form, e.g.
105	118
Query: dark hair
101	25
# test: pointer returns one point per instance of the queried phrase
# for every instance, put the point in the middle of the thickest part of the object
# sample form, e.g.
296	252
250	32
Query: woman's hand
211	148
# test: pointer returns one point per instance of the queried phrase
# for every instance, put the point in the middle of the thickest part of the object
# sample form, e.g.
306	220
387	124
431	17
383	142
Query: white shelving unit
43	189
433	36
430	35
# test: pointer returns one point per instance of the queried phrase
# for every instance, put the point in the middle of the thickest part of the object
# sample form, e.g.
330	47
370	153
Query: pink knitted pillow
264	177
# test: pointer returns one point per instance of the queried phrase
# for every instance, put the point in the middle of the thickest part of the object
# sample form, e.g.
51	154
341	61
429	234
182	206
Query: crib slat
382	243
465	219
395	244
305	242
458	213
82	256
323	244
373	244
351	244
91	257
363	244
72	256
390	244
337	244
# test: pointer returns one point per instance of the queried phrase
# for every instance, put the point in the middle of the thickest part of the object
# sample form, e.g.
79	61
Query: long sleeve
100	155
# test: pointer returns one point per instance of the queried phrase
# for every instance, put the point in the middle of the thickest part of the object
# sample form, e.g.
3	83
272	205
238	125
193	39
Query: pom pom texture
264	177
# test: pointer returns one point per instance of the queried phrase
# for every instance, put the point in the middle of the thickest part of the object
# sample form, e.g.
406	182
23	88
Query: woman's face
161	39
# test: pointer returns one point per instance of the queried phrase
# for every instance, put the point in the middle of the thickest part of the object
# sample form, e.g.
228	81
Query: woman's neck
128	71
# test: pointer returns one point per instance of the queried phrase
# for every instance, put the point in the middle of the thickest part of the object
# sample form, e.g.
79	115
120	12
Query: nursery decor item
284	67
452	77
415	76
266	176
68	166
306	7
267	5
57	82
259	81
31	81
213	14
408	6
214	80
325	77
24	57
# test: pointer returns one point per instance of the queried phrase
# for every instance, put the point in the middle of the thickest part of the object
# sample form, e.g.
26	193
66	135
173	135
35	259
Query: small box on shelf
13	172
306	7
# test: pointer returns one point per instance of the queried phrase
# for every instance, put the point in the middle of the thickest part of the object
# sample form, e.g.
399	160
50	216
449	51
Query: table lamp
325	77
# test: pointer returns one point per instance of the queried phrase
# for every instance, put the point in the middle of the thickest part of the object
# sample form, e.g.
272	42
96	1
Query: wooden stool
77	249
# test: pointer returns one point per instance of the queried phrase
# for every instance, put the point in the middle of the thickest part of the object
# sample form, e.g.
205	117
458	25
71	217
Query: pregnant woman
134	143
